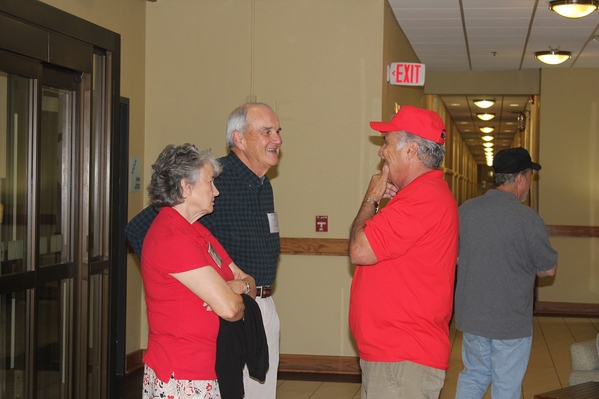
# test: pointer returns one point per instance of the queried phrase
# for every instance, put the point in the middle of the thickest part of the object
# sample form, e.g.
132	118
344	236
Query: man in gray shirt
503	246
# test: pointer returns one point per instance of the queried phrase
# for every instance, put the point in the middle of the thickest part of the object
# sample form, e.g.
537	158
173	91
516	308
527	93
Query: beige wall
321	65
569	180
127	18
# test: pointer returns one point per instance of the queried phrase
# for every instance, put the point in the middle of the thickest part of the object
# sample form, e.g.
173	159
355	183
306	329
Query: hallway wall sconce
485	116
484	103
553	56
573	8
487	129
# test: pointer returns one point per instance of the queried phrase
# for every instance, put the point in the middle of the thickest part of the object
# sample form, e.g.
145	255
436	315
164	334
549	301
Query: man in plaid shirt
244	220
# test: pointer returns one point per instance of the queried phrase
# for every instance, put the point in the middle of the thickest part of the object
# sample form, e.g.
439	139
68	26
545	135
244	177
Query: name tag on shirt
212	252
273	221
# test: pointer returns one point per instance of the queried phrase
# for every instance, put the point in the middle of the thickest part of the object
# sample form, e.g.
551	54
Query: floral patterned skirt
154	388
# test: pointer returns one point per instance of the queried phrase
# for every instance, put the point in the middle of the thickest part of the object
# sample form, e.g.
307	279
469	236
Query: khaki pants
396	380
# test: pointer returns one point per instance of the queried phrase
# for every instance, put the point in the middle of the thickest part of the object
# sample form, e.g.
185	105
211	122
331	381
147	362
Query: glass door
38	193
54	169
15	223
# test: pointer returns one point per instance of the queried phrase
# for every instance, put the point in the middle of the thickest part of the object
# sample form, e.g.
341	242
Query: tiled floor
548	369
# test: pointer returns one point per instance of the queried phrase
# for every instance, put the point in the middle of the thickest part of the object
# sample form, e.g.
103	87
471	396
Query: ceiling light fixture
486	116
487	129
484	103
487	138
488	145
573	8
553	56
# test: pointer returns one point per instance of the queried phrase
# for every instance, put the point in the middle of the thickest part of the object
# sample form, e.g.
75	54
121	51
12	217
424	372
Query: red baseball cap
418	121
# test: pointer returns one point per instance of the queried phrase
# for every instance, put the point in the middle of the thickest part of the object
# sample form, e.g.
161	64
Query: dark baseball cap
419	121
513	160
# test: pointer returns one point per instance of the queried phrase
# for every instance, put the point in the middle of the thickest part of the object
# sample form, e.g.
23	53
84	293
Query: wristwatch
372	201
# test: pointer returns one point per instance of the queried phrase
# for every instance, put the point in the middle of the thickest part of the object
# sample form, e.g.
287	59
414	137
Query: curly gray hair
174	164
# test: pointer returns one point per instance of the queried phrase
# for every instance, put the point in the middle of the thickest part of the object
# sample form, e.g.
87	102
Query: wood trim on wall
315	246
567	309
340	246
573	231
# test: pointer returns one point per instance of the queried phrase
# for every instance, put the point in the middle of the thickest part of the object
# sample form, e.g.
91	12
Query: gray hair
238	120
429	153
174	164
506	179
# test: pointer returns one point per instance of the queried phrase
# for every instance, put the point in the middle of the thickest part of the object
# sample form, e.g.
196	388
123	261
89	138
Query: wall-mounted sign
134	175
406	74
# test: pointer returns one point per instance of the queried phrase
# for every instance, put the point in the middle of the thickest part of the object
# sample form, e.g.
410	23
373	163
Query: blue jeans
500	362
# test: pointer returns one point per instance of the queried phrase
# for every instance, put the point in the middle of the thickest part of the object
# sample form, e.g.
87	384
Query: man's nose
276	138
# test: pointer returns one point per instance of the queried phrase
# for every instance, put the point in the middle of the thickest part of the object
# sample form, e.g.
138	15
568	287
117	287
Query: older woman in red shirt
189	279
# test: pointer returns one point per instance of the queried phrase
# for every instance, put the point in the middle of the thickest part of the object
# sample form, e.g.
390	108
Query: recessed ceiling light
463	123
487	138
488	149
455	104
488	145
487	129
514	105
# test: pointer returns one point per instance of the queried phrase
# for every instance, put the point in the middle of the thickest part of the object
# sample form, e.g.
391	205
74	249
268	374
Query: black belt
263	291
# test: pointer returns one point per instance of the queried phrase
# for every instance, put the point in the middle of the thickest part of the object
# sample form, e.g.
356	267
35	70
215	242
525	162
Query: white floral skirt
154	388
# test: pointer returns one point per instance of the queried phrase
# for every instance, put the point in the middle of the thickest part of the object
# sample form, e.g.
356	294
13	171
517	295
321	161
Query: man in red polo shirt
402	290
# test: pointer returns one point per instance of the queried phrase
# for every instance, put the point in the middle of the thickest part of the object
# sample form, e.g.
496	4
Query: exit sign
406	74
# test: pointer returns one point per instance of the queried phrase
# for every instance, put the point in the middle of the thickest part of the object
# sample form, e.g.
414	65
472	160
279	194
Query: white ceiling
493	35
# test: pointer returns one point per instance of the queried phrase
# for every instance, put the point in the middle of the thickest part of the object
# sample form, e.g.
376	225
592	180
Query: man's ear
412	149
238	139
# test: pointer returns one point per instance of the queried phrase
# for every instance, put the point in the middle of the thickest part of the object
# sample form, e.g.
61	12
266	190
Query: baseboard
566	309
134	360
319	368
294	367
